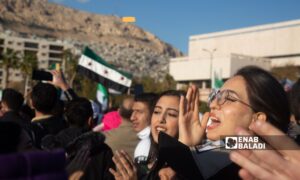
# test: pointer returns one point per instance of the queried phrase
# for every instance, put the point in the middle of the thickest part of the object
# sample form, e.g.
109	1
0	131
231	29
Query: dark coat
43	127
13	116
180	158
73	140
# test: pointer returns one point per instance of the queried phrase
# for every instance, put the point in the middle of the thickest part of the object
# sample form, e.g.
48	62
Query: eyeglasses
223	96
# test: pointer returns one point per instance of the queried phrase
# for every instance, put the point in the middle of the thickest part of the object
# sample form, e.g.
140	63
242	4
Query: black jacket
180	158
13	116
43	127
73	140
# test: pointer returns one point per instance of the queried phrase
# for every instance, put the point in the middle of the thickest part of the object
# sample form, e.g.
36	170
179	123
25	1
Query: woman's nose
162	119
214	104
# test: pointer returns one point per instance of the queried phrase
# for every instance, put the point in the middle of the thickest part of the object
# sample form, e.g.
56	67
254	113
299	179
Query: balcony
31	45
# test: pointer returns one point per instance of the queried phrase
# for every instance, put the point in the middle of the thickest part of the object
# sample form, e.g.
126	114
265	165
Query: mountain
123	44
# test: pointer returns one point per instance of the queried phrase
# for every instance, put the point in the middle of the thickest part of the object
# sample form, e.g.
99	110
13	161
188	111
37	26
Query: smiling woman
164	119
165	115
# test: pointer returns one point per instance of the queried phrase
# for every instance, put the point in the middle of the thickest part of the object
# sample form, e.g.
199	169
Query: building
47	52
220	54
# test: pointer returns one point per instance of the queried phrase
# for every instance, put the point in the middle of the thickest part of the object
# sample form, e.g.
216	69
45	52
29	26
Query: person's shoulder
10	116
57	120
105	147
228	172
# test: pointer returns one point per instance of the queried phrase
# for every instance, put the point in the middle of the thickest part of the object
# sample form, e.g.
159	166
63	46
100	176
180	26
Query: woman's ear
259	116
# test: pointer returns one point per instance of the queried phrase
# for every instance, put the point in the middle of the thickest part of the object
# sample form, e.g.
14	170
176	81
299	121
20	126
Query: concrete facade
47	52
279	41
223	53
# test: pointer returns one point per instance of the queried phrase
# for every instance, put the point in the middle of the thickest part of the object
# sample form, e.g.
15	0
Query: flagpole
211	53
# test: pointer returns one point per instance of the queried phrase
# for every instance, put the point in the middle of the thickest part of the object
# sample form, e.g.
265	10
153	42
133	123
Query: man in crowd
78	137
13	125
142	108
44	98
11	104
123	137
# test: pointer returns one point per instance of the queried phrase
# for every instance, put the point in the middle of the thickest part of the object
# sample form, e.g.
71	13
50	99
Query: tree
153	85
28	63
9	59
289	71
85	87
168	83
69	66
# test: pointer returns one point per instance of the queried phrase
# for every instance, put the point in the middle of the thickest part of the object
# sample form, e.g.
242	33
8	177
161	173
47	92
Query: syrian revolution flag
102	97
218	82
97	69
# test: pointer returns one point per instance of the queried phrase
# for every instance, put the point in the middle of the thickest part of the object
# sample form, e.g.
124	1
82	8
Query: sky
173	21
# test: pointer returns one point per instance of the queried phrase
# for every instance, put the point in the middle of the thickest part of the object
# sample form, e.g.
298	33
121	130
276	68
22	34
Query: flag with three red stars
97	69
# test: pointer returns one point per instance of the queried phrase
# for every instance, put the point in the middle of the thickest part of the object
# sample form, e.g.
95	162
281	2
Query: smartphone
41	75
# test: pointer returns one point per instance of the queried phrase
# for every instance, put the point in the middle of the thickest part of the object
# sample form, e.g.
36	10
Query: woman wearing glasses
251	95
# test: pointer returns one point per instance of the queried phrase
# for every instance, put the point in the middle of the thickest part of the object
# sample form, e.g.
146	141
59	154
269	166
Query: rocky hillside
125	45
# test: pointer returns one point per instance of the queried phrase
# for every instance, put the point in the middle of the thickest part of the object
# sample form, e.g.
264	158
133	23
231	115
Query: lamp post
211	53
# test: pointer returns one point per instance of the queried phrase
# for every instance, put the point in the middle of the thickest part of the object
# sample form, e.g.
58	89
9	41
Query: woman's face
165	117
234	112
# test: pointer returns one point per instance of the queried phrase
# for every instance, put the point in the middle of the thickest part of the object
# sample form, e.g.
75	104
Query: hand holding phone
41	75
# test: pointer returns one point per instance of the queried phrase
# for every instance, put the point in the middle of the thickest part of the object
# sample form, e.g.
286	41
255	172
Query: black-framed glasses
223	96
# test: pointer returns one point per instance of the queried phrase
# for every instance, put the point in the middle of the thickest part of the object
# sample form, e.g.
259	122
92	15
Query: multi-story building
47	53
222	53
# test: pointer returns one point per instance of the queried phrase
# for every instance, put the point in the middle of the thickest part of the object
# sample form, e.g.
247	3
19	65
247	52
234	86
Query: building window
56	48
55	55
1	41
19	44
44	46
31	45
42	62
10	42
9	50
30	53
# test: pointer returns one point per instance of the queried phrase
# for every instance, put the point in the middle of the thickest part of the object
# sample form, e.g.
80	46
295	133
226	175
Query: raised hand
77	166
167	173
282	161
191	130
125	168
58	80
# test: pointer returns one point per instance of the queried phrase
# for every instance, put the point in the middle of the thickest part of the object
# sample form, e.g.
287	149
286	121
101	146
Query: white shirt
143	147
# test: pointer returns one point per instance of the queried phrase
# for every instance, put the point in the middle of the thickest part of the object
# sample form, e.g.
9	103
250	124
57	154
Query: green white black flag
97	69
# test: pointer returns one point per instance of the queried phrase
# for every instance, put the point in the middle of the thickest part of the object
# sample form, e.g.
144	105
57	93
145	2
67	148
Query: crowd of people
152	136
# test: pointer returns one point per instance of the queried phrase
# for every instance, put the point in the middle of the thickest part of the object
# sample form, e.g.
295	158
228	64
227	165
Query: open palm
191	130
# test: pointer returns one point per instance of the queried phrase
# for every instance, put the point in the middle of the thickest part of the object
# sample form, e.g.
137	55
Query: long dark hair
266	95
154	146
294	97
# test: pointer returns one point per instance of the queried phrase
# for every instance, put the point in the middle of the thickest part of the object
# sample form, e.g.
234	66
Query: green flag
102	97
97	69
218	82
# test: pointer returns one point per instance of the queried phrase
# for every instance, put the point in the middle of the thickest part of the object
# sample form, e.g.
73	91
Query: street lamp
211	53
